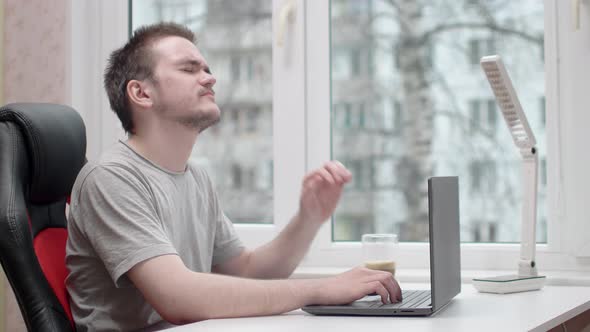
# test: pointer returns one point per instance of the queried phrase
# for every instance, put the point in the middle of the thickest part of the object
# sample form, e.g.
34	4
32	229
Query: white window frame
301	104
99	27
555	255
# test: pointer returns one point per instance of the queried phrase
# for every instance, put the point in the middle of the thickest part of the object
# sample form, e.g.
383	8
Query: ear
140	93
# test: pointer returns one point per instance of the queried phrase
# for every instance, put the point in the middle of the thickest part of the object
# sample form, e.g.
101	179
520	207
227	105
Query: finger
377	287
312	180
326	176
341	170
388	282
399	290
344	171
393	288
334	171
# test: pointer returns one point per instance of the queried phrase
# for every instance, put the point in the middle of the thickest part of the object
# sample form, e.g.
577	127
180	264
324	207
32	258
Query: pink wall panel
36	45
35	62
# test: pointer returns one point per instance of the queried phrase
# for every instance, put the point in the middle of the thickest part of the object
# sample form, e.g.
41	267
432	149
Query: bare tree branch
475	25
399	17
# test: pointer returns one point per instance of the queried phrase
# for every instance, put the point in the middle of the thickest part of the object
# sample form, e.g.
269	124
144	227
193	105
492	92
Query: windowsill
556	278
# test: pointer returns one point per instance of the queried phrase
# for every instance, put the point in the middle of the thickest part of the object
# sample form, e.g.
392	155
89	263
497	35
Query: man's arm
320	193
276	259
181	296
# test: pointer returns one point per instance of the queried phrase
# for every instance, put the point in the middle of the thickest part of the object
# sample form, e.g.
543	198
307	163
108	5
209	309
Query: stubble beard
198	122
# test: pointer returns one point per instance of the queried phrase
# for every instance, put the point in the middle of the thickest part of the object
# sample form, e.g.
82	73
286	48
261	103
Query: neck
167	145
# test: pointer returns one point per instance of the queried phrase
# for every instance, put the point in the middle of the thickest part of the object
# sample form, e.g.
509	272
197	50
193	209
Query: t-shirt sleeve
120	220
227	243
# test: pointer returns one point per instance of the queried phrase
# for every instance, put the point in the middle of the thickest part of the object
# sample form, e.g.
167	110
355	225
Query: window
384	173
236	174
355	62
307	85
347	115
232	38
476	171
543	172
443	111
398	118
557	231
362	114
483	176
235	68
264	178
474	106
484	114
479	48
542	111
484	231
253	120
242	67
179	11
250	68
492	110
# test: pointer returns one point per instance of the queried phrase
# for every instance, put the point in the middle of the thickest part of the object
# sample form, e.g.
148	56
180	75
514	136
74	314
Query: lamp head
507	99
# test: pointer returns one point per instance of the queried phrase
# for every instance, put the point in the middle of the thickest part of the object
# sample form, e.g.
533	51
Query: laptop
445	262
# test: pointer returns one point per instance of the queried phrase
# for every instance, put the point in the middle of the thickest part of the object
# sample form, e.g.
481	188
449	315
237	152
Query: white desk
469	311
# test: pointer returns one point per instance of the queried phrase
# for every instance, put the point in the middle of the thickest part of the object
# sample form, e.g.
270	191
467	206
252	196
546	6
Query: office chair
42	149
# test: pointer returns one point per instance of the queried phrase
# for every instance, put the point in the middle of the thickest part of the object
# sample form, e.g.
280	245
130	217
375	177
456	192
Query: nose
208	80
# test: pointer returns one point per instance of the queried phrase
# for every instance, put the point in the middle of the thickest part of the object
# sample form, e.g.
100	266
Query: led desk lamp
527	278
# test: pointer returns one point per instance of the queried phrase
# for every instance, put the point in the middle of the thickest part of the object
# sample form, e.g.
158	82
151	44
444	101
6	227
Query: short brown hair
135	61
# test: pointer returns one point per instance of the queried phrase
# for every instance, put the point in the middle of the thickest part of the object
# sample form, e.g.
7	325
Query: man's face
184	84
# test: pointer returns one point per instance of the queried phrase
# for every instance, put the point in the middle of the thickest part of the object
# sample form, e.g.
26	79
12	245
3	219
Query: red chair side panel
50	247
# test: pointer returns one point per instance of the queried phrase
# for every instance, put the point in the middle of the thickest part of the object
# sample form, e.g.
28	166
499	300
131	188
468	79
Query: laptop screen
445	256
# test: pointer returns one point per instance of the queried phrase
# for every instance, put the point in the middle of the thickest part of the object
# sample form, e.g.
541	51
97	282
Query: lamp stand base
509	284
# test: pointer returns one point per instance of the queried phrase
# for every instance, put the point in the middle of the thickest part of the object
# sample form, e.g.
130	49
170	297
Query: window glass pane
235	37
434	113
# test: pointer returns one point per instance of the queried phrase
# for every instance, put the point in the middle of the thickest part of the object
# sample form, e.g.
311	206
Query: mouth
208	93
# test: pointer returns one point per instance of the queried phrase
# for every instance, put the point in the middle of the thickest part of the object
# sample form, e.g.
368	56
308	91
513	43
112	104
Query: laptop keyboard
411	299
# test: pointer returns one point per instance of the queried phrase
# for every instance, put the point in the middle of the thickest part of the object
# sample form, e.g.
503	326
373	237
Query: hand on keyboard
356	284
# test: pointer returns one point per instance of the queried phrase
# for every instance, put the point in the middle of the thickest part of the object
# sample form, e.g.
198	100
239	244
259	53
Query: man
146	228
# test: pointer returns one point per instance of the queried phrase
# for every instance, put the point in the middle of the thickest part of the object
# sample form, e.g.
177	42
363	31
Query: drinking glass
379	251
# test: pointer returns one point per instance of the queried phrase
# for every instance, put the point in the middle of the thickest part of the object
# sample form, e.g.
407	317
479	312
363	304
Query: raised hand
321	191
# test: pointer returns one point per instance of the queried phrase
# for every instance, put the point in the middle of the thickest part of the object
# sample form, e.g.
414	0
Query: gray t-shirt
125	209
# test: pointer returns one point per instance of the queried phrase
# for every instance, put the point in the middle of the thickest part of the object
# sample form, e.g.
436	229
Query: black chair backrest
42	149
